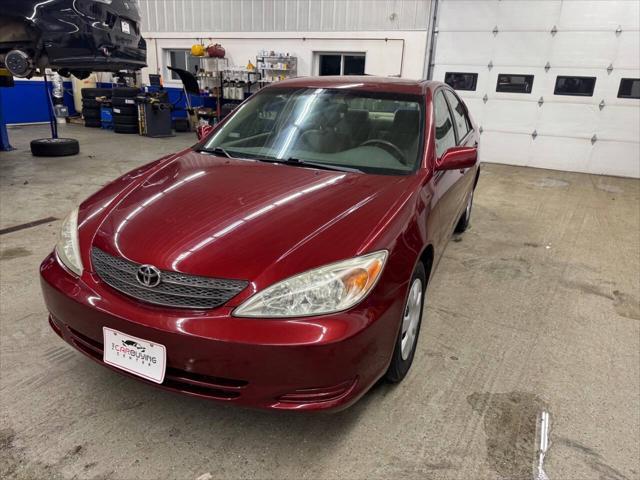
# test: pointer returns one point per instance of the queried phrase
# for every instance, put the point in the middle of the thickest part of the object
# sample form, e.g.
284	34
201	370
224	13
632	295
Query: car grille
175	289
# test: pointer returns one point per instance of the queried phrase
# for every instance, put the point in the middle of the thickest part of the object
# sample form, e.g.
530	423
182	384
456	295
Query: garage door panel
521	48
466	48
598	14
568	119
511	115
498	147
540	15
627	56
439	72
467	15
561	153
580	49
619	122
615	158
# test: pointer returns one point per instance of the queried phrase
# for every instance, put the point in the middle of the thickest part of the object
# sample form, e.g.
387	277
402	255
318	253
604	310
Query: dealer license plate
134	355
126	28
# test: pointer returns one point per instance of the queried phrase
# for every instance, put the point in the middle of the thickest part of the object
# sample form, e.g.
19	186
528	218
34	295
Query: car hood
249	220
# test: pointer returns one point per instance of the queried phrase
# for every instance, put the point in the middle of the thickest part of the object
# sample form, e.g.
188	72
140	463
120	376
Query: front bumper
314	363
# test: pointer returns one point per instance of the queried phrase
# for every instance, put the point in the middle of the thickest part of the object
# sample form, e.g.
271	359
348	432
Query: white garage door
554	84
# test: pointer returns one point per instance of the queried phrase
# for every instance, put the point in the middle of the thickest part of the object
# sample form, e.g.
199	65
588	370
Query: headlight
327	289
67	248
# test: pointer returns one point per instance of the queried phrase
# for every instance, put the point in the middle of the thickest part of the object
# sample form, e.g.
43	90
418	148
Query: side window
445	135
463	125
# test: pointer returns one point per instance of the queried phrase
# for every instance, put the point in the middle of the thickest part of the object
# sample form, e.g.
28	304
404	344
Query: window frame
593	89
475	81
628	97
167	58
459	141
319	54
515	75
453	123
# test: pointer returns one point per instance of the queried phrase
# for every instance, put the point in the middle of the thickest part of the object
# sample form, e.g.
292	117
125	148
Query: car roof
361	82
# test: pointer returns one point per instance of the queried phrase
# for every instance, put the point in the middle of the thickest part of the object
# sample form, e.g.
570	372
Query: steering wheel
387	146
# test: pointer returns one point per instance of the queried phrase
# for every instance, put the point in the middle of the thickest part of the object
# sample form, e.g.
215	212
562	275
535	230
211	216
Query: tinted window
353	65
330	64
514	83
463	125
629	88
461	81
445	136
580	86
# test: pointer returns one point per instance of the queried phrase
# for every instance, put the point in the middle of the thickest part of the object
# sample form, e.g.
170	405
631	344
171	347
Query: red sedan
281	262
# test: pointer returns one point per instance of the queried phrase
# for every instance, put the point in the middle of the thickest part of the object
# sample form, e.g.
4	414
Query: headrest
356	116
406	120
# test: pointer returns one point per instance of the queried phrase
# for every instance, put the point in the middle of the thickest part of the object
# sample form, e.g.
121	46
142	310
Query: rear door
465	137
445	181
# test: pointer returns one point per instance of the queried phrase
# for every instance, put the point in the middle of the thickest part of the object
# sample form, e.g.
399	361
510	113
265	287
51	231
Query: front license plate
134	355
126	28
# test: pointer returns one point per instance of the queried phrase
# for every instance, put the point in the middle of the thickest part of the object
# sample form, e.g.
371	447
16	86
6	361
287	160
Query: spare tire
126	110
125	119
122	101
118	128
54	147
90	103
91	112
125	92
95	92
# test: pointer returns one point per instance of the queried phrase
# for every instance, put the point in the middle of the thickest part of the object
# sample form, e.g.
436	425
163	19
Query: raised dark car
70	36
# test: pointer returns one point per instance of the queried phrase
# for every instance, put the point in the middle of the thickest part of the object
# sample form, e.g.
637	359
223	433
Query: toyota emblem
148	276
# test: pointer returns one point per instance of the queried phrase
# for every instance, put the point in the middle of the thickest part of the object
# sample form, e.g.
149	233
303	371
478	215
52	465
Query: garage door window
341	64
576	86
462	123
181	59
514	83
629	88
461	81
445	135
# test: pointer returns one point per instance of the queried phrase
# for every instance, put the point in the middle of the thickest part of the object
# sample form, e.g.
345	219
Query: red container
216	51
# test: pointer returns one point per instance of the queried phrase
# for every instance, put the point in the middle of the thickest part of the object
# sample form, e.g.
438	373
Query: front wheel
409	330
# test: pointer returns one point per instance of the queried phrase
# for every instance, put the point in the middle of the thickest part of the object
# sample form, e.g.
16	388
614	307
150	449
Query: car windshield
370	132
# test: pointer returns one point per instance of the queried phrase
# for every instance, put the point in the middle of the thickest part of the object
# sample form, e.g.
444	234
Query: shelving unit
276	67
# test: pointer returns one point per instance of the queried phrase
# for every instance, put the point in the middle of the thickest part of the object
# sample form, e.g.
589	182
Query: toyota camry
282	261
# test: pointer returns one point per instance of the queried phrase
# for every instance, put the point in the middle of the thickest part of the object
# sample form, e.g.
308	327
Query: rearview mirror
457	158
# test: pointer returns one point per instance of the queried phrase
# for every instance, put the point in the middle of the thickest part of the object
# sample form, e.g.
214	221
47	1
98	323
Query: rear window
461	81
576	86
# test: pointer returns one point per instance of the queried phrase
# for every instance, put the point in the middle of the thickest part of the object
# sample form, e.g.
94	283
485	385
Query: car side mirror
457	158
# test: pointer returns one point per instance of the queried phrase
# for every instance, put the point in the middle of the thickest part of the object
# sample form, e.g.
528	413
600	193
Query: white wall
400	53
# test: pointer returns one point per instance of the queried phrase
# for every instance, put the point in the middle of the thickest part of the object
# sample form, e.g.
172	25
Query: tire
125	128
90	103
126	110
93	123
409	330
125	92
465	219
91	113
96	92
123	102
54	147
125	119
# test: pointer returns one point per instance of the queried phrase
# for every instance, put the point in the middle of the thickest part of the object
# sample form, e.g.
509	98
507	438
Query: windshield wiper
304	163
216	151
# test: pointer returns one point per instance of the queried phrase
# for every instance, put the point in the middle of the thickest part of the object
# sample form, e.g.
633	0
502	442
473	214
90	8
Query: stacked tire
91	106
125	110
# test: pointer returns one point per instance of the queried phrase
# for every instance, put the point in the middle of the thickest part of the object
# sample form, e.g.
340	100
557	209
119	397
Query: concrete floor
536	308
